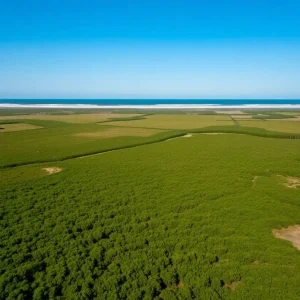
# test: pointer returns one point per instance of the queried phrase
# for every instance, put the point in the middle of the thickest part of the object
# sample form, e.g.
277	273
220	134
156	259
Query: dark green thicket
180	219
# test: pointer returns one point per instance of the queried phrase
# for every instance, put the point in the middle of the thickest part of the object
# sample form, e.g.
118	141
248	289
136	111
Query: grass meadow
186	121
69	118
164	216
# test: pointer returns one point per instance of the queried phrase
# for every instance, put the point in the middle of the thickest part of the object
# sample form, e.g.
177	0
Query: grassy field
185	121
69	118
173	217
279	126
58	140
16	127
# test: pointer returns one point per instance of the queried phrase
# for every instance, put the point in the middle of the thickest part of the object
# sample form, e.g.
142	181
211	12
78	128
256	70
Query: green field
186	121
16	127
69	118
165	215
279	126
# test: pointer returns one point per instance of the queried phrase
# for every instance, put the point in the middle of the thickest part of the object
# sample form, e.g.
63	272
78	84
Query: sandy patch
188	135
232	286
213	133
292	234
52	170
230	112
254	179
292	182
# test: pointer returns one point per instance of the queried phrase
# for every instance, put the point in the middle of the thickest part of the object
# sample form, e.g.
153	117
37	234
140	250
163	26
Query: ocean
151	103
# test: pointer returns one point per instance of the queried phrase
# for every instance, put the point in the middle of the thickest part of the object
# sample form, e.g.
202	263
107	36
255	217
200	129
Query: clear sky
149	49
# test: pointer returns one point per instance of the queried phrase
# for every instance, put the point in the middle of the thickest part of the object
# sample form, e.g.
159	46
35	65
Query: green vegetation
57	141
8	127
182	218
279	126
69	118
187	121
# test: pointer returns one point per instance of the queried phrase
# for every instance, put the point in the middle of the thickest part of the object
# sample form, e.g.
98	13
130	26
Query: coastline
151	106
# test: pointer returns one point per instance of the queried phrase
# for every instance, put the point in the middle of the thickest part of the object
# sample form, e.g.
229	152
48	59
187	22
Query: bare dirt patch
254	179
213	133
52	170
188	135
292	234
292	182
232	286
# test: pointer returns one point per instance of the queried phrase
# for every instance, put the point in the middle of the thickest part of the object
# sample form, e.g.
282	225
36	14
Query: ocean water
151	103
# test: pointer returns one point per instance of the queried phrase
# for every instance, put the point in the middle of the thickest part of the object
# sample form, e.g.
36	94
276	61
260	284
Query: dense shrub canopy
179	219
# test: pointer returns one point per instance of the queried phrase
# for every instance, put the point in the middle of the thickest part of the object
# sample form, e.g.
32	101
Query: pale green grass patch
178	121
74	118
17	127
278	125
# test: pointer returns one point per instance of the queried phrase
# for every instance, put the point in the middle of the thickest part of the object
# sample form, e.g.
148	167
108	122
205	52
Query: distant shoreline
151	106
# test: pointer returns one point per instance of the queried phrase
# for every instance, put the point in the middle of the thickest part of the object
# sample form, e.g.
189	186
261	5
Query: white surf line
154	106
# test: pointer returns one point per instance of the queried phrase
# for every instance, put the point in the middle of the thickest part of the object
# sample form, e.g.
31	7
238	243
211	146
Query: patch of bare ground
292	234
232	286
52	170
254	179
179	137
292	182
214	133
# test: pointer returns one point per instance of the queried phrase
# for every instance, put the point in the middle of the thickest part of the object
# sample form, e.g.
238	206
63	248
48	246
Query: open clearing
120	131
177	121
292	182
17	127
292	234
73	118
52	170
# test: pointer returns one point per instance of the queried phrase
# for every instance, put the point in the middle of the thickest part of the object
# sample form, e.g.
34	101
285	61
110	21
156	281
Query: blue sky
149	49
